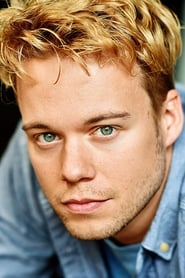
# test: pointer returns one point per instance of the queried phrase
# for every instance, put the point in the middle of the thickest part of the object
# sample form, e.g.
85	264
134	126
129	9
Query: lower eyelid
47	145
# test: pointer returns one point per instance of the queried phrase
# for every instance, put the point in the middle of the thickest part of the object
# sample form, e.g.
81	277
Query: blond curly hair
142	32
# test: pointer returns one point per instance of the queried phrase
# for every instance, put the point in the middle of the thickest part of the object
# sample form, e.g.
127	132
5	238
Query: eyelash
97	132
40	138
106	129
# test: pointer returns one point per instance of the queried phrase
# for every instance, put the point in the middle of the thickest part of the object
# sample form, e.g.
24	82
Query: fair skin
97	153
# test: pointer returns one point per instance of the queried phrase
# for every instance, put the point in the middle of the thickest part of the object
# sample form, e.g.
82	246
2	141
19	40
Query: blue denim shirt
35	244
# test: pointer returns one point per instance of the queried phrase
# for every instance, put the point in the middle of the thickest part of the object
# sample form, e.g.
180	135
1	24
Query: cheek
132	158
46	167
48	179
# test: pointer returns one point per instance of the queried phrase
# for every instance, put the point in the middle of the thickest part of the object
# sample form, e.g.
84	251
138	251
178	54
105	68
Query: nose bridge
76	161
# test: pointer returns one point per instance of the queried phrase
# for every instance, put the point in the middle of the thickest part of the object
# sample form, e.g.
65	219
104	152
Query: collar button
164	247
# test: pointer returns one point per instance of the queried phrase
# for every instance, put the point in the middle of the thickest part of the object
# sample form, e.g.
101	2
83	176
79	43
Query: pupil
107	130
49	137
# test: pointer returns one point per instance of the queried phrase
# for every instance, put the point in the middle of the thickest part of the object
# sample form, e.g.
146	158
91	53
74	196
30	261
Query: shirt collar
162	235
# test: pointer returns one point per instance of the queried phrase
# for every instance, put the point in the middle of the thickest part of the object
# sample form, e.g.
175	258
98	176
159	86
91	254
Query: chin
91	230
87	235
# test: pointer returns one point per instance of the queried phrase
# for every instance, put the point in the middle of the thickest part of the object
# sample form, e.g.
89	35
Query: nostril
75	169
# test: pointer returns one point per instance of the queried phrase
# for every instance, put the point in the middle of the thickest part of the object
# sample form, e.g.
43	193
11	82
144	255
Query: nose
76	163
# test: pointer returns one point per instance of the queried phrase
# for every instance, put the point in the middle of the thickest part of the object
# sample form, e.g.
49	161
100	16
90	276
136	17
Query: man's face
96	150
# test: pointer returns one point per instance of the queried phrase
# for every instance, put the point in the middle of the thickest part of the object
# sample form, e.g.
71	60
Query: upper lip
82	201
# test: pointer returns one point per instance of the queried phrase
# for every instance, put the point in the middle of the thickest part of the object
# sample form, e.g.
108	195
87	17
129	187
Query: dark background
9	113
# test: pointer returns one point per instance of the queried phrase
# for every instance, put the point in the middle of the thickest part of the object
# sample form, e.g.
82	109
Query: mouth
83	206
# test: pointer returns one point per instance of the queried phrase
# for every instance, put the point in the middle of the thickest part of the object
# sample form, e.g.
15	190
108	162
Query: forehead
39	69
64	86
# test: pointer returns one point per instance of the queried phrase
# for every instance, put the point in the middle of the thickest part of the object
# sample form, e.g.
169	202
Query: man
94	84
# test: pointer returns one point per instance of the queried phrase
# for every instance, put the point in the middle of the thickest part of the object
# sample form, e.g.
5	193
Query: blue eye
47	137
106	130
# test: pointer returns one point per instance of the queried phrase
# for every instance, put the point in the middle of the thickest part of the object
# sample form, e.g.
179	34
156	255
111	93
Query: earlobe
173	117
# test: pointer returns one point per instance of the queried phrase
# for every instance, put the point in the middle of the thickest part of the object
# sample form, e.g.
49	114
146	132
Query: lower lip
84	207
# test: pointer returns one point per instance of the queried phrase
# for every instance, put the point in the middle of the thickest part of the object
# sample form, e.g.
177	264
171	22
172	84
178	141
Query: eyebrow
93	120
107	116
35	125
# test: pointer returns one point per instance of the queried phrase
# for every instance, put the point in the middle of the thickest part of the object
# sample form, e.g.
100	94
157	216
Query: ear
172	117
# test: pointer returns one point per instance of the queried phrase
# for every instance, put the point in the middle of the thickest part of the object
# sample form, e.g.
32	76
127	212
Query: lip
83	206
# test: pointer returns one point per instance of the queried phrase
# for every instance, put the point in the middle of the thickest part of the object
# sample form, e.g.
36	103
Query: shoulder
18	184
15	166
